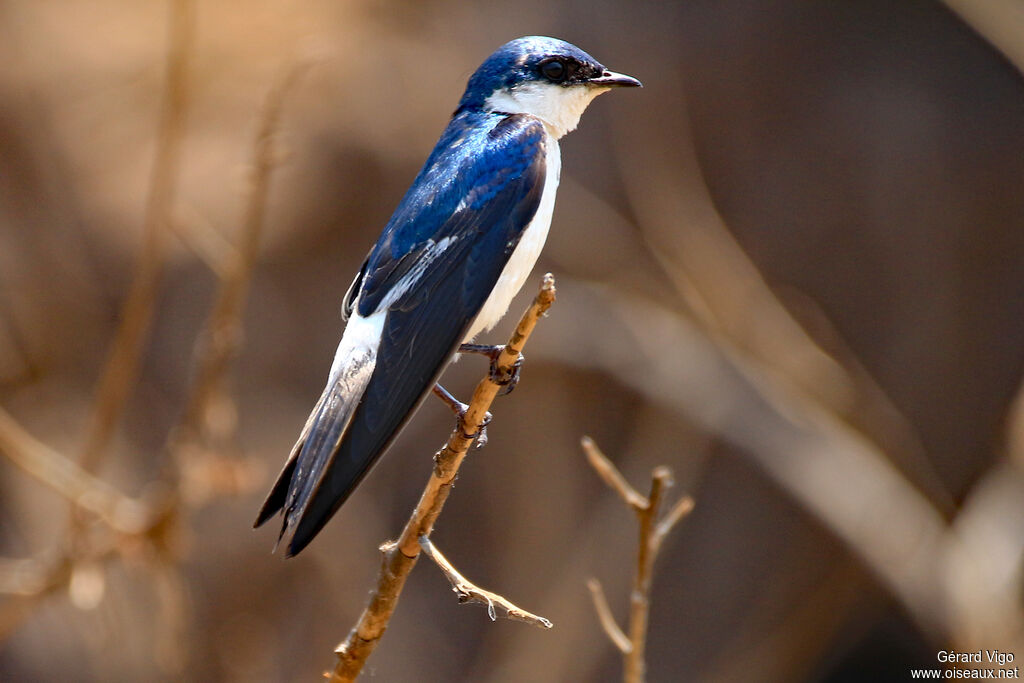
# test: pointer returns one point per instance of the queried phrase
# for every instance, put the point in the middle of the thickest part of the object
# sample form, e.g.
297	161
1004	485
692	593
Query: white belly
521	263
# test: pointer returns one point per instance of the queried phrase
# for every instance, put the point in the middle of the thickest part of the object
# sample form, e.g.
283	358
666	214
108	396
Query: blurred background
791	268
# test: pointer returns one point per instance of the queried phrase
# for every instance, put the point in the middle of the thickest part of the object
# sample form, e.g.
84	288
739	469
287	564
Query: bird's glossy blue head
546	77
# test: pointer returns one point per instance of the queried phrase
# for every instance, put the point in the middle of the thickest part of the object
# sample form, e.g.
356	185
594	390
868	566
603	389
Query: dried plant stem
400	556
1000	22
223	332
470	592
27	582
153	520
607	619
122	365
640	597
652	533
73	479
67	478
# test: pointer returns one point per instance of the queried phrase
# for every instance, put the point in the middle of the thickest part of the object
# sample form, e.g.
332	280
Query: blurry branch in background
120	372
29	580
155	520
497	606
195	442
745	370
1000	22
67	478
122	365
959	581
204	241
730	299
399	557
652	533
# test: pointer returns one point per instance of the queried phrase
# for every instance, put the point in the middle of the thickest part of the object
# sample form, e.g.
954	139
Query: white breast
526	252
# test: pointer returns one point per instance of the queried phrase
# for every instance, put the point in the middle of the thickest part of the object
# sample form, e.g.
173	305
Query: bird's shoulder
486	171
479	156
482	151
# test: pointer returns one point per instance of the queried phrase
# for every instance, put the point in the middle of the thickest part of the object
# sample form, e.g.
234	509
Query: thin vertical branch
155	520
652	533
223	332
640	597
122	365
73	480
399	557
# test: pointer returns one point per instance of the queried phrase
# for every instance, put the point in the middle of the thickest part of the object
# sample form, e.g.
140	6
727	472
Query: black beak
610	79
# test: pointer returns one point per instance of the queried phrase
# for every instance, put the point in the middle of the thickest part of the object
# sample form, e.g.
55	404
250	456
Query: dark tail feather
385	407
320	455
345	474
275	499
279	493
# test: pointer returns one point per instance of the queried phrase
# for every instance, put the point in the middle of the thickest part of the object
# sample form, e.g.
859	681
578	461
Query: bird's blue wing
431	271
481	182
478	217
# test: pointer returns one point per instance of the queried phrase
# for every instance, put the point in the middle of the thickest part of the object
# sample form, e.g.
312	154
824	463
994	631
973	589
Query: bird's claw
481	434
507	380
460	408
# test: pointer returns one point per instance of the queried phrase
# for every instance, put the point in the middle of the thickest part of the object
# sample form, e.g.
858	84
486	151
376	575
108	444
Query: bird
458	248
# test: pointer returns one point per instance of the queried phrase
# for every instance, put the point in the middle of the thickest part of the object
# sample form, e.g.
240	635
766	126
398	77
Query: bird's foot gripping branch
400	556
506	379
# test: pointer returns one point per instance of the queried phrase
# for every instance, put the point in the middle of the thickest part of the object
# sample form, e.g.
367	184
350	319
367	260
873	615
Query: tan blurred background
791	268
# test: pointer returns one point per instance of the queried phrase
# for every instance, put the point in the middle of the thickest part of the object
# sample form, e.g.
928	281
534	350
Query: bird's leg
507	381
460	408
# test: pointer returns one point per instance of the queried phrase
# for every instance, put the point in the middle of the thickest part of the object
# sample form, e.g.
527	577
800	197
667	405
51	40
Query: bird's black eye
555	70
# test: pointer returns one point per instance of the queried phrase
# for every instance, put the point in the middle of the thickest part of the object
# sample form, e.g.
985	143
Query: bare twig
675	515
205	474
400	557
640	597
1000	22
497	606
155	522
223	332
122	365
611	476
204	241
69	479
607	619
652	533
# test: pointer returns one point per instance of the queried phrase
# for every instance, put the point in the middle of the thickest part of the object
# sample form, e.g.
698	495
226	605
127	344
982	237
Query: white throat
559	107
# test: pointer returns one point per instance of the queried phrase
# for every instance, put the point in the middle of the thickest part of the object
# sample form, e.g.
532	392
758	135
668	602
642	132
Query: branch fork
653	531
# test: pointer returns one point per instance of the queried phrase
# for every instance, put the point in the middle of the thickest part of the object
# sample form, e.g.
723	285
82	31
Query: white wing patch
361	339
430	253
